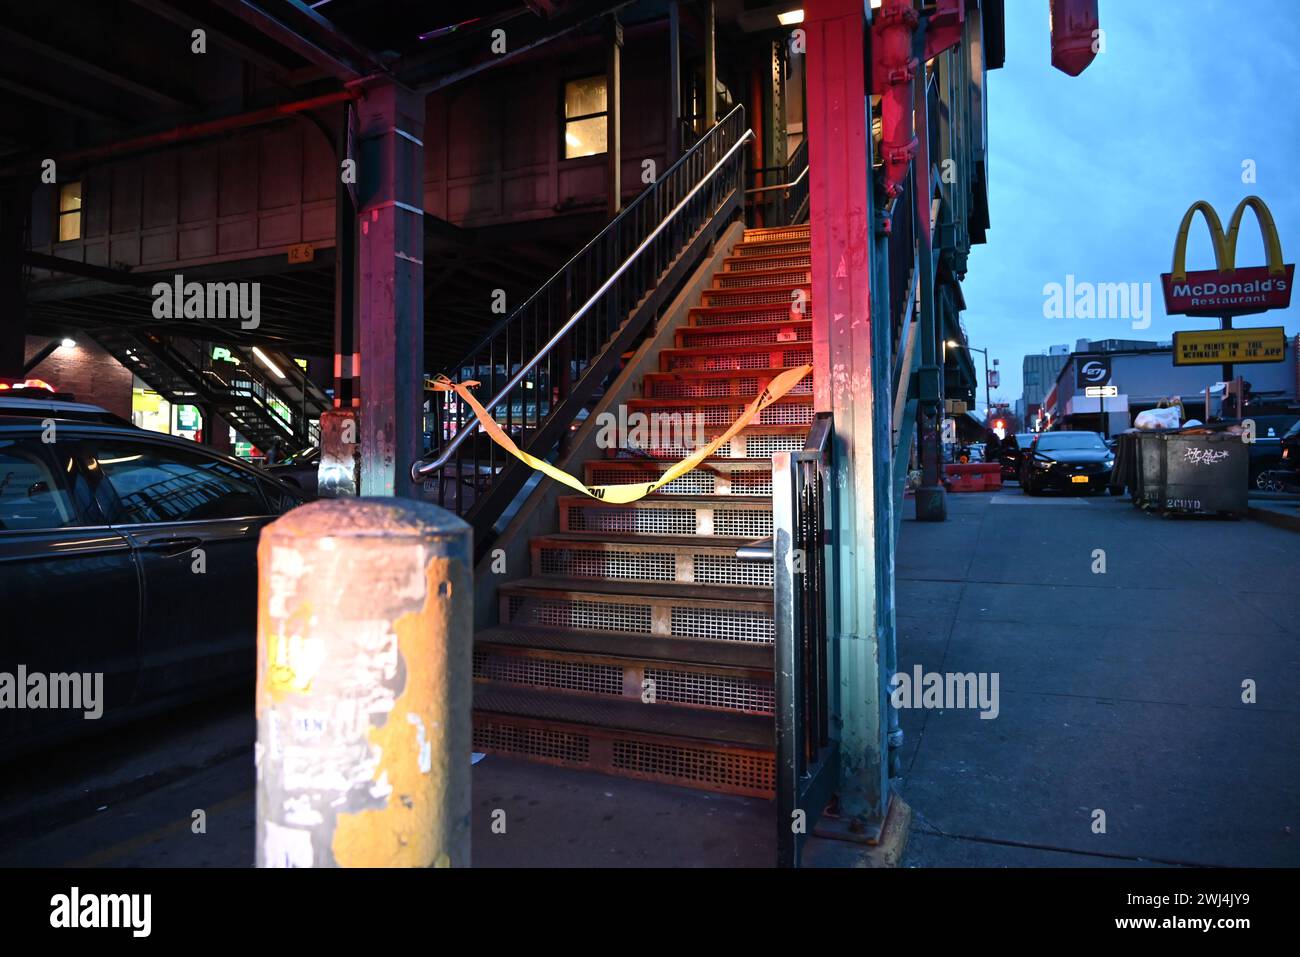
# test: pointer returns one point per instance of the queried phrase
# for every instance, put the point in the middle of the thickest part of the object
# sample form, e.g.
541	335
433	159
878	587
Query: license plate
1079	479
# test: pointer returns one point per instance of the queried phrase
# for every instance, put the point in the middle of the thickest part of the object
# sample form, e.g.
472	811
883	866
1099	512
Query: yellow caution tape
622	494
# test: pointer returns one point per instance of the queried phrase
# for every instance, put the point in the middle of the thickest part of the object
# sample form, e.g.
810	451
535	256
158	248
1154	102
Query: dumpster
1189	473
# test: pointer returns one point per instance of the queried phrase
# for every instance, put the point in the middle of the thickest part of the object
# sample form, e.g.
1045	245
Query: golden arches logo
1225	244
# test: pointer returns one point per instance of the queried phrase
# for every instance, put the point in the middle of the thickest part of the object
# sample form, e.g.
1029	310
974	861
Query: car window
280	498
155	484
1070	440
32	494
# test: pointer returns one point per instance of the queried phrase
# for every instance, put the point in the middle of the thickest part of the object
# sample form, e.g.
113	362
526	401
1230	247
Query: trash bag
1155	420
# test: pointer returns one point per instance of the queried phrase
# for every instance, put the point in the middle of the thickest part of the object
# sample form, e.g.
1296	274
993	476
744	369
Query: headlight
1043	463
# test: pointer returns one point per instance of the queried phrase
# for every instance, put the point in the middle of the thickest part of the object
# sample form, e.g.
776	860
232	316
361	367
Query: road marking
108	854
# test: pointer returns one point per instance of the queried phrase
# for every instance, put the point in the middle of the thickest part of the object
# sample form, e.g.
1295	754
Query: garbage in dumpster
1157	419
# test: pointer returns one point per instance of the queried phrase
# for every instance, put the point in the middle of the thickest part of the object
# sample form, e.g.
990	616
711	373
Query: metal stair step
660	558
650	648
753	442
756	356
747	334
752	296
737	516
609	667
721	410
715	750
664	609
713	476
700	316
800	231
763	278
709	383
758	263
767	248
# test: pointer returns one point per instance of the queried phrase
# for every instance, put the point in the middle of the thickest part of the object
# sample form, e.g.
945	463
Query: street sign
1094	370
1217	346
995	379
1101	391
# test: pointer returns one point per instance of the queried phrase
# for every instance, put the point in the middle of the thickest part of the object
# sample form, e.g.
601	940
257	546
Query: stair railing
807	754
545	362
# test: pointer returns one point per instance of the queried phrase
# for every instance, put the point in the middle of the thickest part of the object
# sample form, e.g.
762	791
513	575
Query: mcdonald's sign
1228	290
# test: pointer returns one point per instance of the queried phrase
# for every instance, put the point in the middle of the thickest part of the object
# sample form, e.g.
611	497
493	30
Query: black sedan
1067	461
128	574
1011	451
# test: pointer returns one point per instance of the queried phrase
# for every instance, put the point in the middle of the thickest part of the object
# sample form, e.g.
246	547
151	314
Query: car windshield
1024	439
1071	440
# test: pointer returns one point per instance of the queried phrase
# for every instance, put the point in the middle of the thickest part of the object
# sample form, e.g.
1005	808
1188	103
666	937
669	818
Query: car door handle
173	546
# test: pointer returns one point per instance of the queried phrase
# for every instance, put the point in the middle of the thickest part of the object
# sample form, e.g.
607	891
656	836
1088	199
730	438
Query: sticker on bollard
364	685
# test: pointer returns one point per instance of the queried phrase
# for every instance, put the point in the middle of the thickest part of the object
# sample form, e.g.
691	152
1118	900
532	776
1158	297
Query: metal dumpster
1191	473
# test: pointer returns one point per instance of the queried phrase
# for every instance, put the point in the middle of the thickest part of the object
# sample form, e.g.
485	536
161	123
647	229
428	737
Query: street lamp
988	401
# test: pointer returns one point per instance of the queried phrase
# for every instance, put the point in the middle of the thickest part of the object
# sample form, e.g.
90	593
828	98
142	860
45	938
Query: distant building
1038	374
1144	375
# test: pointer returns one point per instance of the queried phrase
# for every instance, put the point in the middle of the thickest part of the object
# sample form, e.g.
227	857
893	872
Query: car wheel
1115	490
1267	481
1028	487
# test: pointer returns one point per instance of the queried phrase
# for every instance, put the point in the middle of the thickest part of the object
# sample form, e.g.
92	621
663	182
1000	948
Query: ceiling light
790	17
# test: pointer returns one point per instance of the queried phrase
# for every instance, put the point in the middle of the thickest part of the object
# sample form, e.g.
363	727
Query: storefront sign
1217	346
1227	290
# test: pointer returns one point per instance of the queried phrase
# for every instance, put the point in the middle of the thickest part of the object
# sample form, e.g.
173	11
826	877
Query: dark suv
126	554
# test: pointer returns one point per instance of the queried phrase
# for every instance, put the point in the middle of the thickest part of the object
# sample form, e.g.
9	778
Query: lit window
69	211
584	117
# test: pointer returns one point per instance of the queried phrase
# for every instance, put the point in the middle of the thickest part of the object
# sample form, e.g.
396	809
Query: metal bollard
364	614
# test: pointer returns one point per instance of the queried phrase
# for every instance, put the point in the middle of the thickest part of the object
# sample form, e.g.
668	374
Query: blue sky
1091	175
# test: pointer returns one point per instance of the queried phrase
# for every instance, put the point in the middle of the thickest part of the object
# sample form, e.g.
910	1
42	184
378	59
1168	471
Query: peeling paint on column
363	694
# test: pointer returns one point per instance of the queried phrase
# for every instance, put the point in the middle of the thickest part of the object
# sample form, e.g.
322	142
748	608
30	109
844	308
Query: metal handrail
791	185
421	468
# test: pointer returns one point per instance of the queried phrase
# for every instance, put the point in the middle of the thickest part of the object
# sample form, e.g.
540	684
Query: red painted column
841	222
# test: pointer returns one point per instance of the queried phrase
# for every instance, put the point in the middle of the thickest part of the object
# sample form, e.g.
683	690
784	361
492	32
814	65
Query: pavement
1121	737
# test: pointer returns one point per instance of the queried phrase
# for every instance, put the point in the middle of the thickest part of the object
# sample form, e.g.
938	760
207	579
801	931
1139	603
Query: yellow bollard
364	683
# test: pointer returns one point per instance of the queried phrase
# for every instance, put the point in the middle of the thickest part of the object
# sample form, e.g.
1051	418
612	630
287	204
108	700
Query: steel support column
614	117
13	306
390	300
710	68
674	82
841	218
931	501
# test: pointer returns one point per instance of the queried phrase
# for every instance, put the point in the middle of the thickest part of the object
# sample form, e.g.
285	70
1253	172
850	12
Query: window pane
584	97
31	494
165	486
69	197
69	226
584	137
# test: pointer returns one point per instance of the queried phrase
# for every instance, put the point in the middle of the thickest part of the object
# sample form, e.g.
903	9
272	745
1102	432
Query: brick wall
87	371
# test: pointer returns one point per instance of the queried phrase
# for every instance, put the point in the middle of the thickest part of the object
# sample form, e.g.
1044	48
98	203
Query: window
585	113
69	211
32	495
162	485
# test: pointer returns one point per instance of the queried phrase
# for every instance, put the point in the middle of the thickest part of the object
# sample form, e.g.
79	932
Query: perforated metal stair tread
680	501
648	541
669	591
719	727
630	645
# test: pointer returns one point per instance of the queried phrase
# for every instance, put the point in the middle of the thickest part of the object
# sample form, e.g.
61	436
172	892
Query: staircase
248	398
641	645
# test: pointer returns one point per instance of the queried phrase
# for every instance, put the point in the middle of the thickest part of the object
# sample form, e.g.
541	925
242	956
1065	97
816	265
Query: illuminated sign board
1217	346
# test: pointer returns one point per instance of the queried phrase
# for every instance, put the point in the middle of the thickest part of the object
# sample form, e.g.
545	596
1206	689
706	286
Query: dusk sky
1091	175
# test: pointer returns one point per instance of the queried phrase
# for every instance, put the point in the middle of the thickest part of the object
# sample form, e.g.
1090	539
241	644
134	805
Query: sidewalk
1119	692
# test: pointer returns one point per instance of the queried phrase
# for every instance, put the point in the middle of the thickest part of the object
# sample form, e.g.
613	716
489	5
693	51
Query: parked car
126	554
1012	450
299	469
31	405
1067	461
